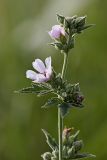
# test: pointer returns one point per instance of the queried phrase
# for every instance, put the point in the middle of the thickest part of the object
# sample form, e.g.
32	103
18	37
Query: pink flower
44	71
57	31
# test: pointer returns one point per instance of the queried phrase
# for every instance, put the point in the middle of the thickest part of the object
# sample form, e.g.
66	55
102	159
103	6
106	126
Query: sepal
57	45
60	19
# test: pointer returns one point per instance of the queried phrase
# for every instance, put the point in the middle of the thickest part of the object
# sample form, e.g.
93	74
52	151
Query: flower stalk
60	129
60	118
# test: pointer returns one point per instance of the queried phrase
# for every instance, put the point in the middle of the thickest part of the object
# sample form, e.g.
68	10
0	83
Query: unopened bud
80	21
56	32
78	145
67	132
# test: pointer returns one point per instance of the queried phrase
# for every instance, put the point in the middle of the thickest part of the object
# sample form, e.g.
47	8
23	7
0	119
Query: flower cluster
71	146
64	33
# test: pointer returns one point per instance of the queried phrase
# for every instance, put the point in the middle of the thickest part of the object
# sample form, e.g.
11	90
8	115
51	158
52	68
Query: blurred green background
23	37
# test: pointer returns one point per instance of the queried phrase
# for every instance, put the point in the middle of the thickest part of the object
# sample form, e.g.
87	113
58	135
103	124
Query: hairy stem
64	64
60	119
60	129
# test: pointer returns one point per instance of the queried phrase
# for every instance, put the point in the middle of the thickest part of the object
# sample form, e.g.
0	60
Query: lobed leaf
73	137
53	101
42	85
84	155
50	140
64	109
37	88
29	90
43	92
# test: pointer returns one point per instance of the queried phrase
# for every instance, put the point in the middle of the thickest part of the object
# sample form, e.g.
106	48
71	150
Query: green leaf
60	19
55	153
29	90
43	92
64	109
53	101
77	87
57	45
50	140
73	138
80	29
71	152
42	85
46	156
71	43
80	21
65	151
84	155
77	105
87	26
36	89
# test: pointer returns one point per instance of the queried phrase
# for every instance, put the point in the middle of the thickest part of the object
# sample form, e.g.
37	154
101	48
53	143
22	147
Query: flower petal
56	27
39	65
48	67
55	32
48	62
40	78
63	31
50	33
31	74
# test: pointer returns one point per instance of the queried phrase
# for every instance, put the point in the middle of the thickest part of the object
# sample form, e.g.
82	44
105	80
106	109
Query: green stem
60	129
64	64
60	119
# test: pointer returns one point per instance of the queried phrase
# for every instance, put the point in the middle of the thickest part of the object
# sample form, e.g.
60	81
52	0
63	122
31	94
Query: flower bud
80	98
71	21
58	33
67	132
78	145
80	21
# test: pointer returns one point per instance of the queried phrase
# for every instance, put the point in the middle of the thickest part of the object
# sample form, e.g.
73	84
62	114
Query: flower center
44	74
